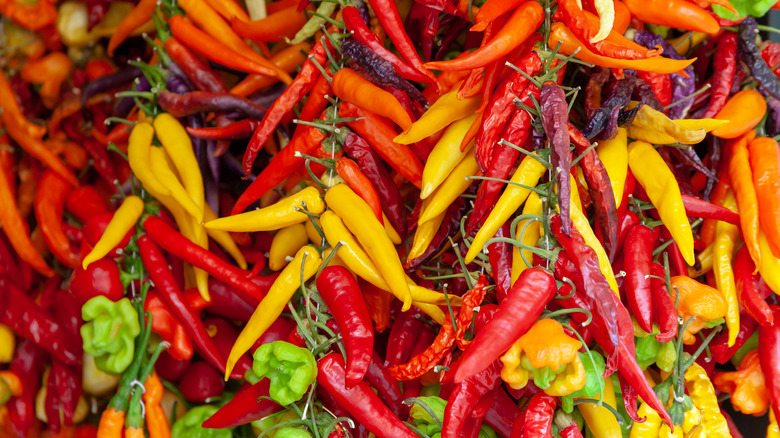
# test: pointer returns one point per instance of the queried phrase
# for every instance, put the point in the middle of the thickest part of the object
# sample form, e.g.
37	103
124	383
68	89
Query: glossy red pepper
719	347
769	356
637	260
467	395
49	204
664	311
85	202
245	406
752	291
539	416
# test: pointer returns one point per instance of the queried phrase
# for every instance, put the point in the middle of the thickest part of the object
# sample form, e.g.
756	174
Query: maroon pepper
637	259
664	311
555	120
386	386
502	414
361	401
403	336
163	279
752	291
225	302
100	159
723	73
340	292
769	356
500	256
181	105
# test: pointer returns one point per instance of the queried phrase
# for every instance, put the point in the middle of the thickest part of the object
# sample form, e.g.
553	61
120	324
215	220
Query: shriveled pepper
697	300
109	333
290	369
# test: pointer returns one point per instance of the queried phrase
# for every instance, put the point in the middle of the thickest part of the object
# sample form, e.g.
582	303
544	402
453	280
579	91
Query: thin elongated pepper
283	213
303	266
726	236
765	164
350	172
124	219
274	27
456	183
178	145
158	164
741	121
638	256
527	174
357	216
613	154
445	155
447	109
661	186
686	15
49	204
751	290
350	86
741	178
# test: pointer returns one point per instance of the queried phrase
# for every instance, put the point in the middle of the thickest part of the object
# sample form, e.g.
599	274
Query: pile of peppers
411	218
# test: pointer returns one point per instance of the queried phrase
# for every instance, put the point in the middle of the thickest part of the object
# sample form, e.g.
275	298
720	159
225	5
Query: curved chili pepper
765	163
386	386
751	55
403	336
50	198
234	131
341	294
768	348
751	295
351	87
638	256
518	28
109	82
181	105
276	26
197	71
466	396
719	348
723	73
687	15
350	172
360	401
664	311
555	120
164	281
250	403
539	415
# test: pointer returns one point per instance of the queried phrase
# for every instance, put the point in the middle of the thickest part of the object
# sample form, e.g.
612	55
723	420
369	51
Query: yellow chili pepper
770	265
580	222
445	155
692	421
123	221
432	310
424	234
746	386
286	243
649	118
606	11
688	40
614	155
447	109
772	431
528	173
652	425
159	166
303	266
7	344
138	148
599	419
653	136
285	212
533	231
703	396
654	176
706	261
312	233
360	220
178	145
452	187
696	300
224	239
726	236
390	231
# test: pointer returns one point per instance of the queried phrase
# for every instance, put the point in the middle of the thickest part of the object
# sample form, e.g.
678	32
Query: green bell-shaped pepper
291	370
109	333
189	426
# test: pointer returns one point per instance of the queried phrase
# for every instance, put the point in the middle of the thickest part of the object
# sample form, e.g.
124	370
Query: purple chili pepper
682	87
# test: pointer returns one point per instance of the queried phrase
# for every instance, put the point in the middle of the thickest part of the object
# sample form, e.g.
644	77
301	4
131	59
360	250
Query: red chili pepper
466	396
386	386
250	403
751	289
539	416
85	202
360	401
340	292
293	94
197	71
180	246
32	322
719	347
660	83
500	257
402	337
163	279
234	131
49	204
696	207
637	259
169	329
769	356
524	303
724	69
28	364
664	311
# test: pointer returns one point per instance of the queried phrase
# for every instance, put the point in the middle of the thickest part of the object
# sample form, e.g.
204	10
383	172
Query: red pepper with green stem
49	204
539	416
769	356
751	289
361	401
163	279
180	246
340	292
293	94
637	260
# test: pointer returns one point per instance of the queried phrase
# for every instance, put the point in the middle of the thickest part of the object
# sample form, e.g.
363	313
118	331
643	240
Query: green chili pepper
756	8
594	369
109	333
291	370
325	9
189	425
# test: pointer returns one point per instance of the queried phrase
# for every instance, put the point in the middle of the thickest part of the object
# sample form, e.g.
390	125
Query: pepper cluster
430	218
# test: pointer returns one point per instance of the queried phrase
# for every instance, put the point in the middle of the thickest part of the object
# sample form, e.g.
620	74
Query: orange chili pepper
156	421
351	87
353	176
569	44
229	9
274	27
288	60
741	120
274	7
521	25
673	13
765	163
491	10
746	386
622	17
25	193
50	71
31	15
135	19
12	113
49	205
111	423
741	177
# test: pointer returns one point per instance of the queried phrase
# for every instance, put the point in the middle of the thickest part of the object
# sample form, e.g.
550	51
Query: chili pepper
341	294
27	364
181	105
687	16
372	167
539	415
451	188
703	396
164	324
250	403
290	369
603	121
124	219
638	256
662	190
387	387
234	131
502	159
741	178
724	69
286	243
569	43
526	16
109	82
699	300
100	159
279	215
30	16
746	386
527	174
725	240
445	155
490	11
740	121
178	145
304	265
196	70
140	14
661	85
751	290
664	311
138	150
350	172
695	207
768	341
281	24
213	49
164	281
466	396
49	204
350	86
514	317
109	332
30	321
361	402
750	54
555	121
764	162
